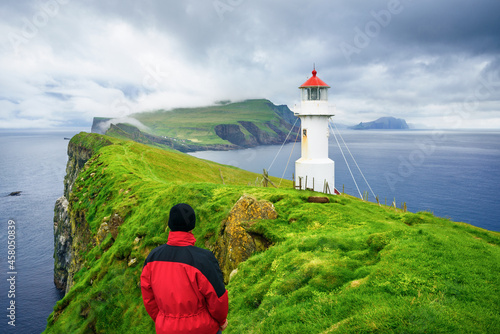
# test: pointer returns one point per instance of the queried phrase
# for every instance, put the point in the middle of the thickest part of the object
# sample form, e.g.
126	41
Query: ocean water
33	163
454	174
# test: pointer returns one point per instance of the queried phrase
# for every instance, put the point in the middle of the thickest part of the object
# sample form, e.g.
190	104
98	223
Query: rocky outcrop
256	136
233	134
267	134
71	231
281	134
262	137
236	242
62	243
78	155
15	193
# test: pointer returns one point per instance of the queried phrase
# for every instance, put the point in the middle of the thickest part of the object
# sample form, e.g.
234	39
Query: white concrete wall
314	133
317	107
317	172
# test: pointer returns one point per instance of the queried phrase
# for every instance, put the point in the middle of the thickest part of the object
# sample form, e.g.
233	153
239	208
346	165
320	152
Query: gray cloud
64	61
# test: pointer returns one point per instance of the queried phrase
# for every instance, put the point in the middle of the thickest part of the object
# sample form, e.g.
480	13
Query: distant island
224	126
384	123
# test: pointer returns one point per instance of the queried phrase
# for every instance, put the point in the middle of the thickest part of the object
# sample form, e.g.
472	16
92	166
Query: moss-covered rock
236	243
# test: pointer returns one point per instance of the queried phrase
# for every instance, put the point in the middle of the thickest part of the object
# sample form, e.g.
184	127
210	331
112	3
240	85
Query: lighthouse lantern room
314	170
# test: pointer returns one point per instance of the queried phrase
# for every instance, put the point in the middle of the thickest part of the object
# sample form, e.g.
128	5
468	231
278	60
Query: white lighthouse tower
314	170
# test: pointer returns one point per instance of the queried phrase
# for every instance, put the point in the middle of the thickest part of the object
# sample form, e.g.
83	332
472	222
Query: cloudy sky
433	63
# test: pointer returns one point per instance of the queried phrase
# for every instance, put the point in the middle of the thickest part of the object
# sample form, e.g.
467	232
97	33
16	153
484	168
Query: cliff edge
291	265
70	226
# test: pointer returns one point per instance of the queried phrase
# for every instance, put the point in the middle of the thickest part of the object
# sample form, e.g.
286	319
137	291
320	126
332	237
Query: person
182	285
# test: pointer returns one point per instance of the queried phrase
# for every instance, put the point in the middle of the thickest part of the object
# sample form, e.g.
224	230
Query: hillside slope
345	266
240	124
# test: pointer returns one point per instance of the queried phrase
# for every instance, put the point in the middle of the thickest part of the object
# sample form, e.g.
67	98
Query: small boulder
132	262
318	199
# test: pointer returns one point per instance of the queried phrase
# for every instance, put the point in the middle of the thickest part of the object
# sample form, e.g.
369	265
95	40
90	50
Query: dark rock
115	222
262	137
284	118
232	133
318	199
62	243
15	193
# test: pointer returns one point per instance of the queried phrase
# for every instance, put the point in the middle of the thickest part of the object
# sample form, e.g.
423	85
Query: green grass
197	124
344	267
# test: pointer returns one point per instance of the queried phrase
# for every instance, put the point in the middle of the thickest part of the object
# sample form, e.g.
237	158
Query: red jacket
182	287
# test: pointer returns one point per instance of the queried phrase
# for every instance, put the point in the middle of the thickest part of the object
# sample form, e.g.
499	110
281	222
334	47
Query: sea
454	174
33	163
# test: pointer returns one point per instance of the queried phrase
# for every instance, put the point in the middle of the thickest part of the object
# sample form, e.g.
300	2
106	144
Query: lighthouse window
314	93
323	94
305	94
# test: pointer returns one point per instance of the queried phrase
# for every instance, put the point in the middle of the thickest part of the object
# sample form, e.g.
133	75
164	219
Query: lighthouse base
316	175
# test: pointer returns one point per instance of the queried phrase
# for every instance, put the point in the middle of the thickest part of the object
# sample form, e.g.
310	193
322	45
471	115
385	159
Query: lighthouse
314	170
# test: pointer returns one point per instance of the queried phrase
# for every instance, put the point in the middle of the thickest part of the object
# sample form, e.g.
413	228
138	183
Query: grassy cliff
246	123
346	266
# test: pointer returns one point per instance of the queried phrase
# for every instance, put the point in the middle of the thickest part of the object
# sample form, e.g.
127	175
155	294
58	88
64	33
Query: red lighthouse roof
314	81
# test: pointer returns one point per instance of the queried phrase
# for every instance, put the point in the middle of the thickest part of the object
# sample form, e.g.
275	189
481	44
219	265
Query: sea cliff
70	227
291	264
